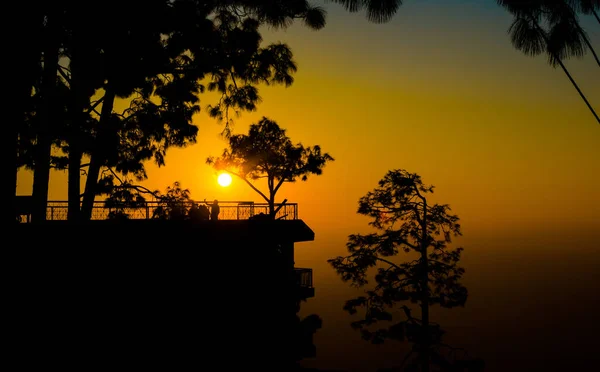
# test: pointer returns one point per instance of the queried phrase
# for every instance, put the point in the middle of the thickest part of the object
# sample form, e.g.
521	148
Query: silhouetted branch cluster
267	152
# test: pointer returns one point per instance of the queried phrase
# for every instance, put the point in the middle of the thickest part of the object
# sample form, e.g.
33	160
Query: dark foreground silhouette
150	294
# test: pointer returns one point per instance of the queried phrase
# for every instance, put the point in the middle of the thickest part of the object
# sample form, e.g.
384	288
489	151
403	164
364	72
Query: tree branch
388	262
251	185
63	74
281	181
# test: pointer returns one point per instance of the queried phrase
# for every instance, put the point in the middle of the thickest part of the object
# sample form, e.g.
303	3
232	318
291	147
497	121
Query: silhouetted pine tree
405	222
267	152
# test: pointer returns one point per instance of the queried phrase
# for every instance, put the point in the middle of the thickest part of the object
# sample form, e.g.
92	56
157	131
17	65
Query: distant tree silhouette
266	152
564	38
405	222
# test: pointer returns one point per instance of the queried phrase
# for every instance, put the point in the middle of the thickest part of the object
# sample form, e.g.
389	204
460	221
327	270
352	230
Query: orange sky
439	91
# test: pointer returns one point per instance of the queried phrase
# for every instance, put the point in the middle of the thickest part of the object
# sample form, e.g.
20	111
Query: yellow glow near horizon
224	179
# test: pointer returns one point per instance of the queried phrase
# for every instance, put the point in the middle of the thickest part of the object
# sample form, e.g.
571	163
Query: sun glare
224	179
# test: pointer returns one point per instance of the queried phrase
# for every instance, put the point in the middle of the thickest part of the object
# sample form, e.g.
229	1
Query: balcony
304	282
229	210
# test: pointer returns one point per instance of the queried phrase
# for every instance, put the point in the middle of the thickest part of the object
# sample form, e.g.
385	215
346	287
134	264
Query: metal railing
229	210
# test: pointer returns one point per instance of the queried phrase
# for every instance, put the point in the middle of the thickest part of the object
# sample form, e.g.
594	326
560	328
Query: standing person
215	210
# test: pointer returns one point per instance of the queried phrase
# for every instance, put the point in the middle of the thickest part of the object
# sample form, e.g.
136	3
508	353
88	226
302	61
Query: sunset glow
224	179
163	108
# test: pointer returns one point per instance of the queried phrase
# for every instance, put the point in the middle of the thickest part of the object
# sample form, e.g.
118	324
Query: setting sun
224	179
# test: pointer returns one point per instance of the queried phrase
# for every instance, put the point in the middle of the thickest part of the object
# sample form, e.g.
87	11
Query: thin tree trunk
74	179
271	184
590	46
272	206
16	118
97	157
577	87
41	175
28	51
76	125
426	339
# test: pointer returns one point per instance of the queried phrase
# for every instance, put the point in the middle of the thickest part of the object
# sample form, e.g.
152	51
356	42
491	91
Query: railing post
147	211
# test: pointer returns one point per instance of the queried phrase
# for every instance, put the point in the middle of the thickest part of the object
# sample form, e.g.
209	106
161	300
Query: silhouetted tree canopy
266	152
124	196
152	57
404	223
562	35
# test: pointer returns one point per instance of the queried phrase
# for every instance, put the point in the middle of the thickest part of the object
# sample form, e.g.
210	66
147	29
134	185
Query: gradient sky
439	91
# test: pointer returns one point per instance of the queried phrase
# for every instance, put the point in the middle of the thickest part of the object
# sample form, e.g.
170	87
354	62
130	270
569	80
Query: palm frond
315	18
565	40
526	37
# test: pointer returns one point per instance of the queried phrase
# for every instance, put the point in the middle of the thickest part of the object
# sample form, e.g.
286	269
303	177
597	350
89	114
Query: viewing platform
144	238
229	210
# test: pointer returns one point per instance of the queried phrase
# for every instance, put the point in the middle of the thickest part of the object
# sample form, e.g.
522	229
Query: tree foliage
155	58
173	204
550	27
124	196
404	224
266	152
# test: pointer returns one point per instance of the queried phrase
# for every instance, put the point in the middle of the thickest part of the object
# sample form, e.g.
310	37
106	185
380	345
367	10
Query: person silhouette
204	213
194	213
215	210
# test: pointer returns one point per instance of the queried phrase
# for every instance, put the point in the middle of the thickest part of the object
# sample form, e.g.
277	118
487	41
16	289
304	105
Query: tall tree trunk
74	179
41	175
272	206
271	185
97	158
27	50
16	117
564	68
78	117
426	336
